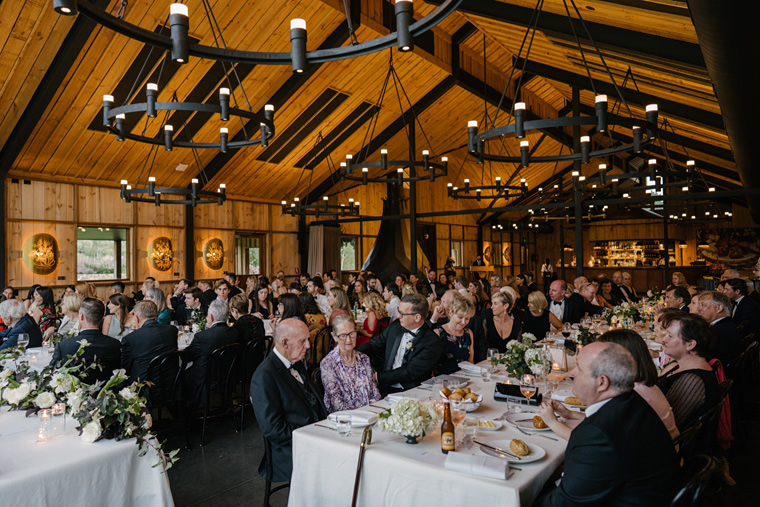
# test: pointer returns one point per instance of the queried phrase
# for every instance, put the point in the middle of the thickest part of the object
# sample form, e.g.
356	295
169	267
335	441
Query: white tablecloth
399	474
66	470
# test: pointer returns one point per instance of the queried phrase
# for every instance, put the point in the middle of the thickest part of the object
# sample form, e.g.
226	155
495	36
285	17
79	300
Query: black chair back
252	355
220	373
323	344
163	379
703	482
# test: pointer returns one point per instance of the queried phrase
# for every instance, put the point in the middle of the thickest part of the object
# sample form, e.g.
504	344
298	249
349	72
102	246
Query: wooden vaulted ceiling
56	70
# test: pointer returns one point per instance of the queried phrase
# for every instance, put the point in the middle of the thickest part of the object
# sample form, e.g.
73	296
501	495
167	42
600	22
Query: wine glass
23	340
566	329
528	386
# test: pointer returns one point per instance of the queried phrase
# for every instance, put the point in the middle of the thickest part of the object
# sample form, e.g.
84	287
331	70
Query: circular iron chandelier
297	208
188	196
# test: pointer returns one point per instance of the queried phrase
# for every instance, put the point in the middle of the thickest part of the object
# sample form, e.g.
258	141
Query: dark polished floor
224	471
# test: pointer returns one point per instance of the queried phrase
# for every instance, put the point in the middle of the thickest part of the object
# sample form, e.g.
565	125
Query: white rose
5	374
16	396
45	400
196	328
83	342
127	394
91	431
75	401
61	383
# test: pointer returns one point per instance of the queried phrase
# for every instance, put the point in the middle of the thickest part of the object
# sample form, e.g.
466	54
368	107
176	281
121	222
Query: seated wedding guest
262	307
726	342
222	290
678	297
70	321
678	279
535	319
158	297
645	384
606	461
16	319
249	326
119	322
347	373
85	290
290	307
563	309
197	354
149	339
408	347
283	396
392	297
192	304
498	324
746	312
457	339
339	304
377	318
591	304
606	297
690	385
729	274
207	292
42	308
231	279
316	288
100	349
10	293
627	287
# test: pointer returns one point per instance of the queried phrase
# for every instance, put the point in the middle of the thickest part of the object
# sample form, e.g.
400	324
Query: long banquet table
397	473
66	470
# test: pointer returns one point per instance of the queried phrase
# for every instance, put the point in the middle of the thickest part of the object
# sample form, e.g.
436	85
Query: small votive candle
42	433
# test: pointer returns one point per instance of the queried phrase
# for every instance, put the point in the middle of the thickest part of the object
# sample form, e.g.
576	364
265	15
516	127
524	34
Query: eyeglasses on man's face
402	314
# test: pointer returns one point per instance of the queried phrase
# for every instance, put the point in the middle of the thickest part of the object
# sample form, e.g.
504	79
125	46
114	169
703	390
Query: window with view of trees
249	254
348	254
101	253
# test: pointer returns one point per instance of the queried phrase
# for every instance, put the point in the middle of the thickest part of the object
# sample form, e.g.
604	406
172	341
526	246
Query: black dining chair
250	359
221	376
703	483
266	460
163	390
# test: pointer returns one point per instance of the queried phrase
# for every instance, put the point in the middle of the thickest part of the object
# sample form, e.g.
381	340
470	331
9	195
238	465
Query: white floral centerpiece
539	361
514	358
409	418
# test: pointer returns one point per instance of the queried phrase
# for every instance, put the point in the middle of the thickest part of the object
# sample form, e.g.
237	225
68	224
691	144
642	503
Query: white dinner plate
526	424
564	393
536	453
497	425
359	418
455	382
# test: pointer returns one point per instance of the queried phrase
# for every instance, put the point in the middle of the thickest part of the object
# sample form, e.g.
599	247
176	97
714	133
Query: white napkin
470	368
475	464
358	417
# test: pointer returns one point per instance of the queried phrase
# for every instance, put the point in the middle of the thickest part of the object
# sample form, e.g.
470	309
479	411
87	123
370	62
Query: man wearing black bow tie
562	309
407	350
283	397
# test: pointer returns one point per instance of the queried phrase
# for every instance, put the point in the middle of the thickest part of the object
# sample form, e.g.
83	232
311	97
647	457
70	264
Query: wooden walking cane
366	440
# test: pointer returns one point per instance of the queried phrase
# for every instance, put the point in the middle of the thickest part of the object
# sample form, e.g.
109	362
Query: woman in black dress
535	319
498	324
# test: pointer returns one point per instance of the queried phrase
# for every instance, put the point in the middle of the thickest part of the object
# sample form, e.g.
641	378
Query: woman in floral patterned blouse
347	373
42	308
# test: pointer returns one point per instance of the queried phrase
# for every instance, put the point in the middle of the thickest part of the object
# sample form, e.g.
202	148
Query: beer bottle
447	430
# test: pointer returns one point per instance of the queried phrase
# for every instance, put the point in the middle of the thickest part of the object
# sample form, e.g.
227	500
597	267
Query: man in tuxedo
746	312
530	283
432	281
177	300
100	348
590	306
283	397
18	321
184	313
678	297
207	292
715	308
409	348
621	454
620	292
197	354
231	279
578	283
148	340
561	308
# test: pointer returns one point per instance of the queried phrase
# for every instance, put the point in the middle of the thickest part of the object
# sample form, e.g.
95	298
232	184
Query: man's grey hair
11	310
218	309
720	299
617	364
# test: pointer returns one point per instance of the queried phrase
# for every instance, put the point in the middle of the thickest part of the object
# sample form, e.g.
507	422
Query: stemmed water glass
23	341
528	386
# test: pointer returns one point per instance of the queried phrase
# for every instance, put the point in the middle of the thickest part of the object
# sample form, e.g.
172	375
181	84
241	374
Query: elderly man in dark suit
408	347
197	354
746	313
283	397
715	308
563	309
678	297
18	322
621	454
149	340
100	348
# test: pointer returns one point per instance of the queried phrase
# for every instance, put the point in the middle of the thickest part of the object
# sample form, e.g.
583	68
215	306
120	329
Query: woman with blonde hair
535	319
338	300
85	290
678	280
377	318
456	337
157	296
70	321
499	325
408	288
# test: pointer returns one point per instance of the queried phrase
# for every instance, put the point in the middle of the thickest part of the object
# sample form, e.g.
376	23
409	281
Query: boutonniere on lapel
409	346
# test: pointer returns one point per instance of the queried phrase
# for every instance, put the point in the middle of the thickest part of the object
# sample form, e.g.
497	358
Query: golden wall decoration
161	253
41	254
213	253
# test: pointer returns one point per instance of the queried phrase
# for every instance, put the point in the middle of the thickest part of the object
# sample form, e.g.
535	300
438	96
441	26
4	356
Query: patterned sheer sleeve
333	399
686	395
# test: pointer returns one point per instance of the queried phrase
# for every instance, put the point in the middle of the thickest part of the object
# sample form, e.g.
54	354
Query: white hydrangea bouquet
539	361
409	418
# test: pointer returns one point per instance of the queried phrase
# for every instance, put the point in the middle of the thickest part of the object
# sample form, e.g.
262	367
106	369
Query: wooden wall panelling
214	216
251	216
167	215
102	205
280	222
19	275
39	200
202	236
284	248
143	238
